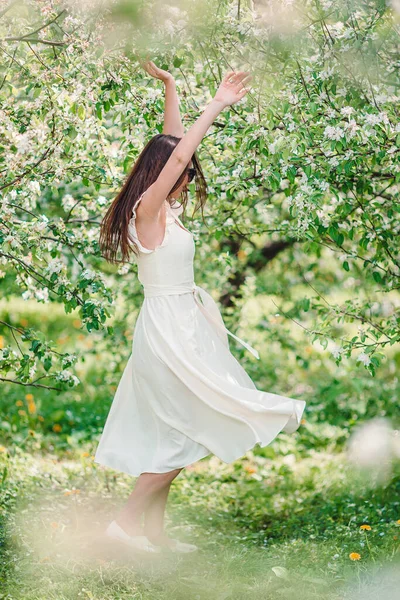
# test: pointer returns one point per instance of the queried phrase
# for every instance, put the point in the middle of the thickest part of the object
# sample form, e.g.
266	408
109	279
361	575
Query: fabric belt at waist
206	303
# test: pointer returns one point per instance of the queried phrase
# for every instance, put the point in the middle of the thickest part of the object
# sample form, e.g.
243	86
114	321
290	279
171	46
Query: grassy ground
282	528
292	520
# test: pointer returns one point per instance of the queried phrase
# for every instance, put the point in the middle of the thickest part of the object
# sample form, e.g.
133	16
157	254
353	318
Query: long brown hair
114	228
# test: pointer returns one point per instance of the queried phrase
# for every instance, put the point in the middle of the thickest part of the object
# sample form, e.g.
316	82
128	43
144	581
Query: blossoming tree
303	176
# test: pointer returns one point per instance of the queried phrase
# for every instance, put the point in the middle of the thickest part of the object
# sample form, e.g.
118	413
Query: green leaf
177	62
81	112
291	174
377	276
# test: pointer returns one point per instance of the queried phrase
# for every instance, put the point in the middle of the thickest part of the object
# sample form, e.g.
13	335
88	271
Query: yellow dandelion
22	413
31	407
250	469
19	403
85	454
354	556
57	427
366	527
3	449
1	341
398	521
29	397
303	422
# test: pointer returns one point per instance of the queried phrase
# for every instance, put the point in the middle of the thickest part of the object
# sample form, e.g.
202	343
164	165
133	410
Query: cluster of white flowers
33	186
55	266
364	358
333	161
336	351
351	128
375	119
42	295
12	240
69	359
323	185
21	141
67	376
333	133
68	202
324	216
40	225
88	274
102	200
293	98
327	73
252	117
80	212
346	111
123	269
285	183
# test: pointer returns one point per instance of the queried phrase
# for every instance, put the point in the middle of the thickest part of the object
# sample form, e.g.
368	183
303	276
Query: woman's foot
139	542
130	527
164	541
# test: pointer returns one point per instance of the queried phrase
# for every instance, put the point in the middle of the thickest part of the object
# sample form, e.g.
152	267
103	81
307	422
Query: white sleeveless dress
183	395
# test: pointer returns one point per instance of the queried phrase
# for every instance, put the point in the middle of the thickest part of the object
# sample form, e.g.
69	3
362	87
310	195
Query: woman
182	395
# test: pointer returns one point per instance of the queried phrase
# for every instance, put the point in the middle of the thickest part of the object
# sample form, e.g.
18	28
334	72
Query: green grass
279	523
266	529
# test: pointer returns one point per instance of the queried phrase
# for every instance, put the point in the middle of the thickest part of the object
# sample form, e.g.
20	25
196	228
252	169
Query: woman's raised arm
231	90
172	117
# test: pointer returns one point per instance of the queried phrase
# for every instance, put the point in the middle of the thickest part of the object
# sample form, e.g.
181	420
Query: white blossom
375	119
68	202
42	295
336	351
333	133
364	358
346	110
55	266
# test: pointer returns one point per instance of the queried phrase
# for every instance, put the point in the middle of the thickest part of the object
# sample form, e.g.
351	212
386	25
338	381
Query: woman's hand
156	72
233	87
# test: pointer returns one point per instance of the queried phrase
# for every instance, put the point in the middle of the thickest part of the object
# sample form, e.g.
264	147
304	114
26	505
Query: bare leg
154	515
147	488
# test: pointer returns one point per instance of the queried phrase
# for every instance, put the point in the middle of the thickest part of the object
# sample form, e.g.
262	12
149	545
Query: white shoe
138	542
183	547
177	546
